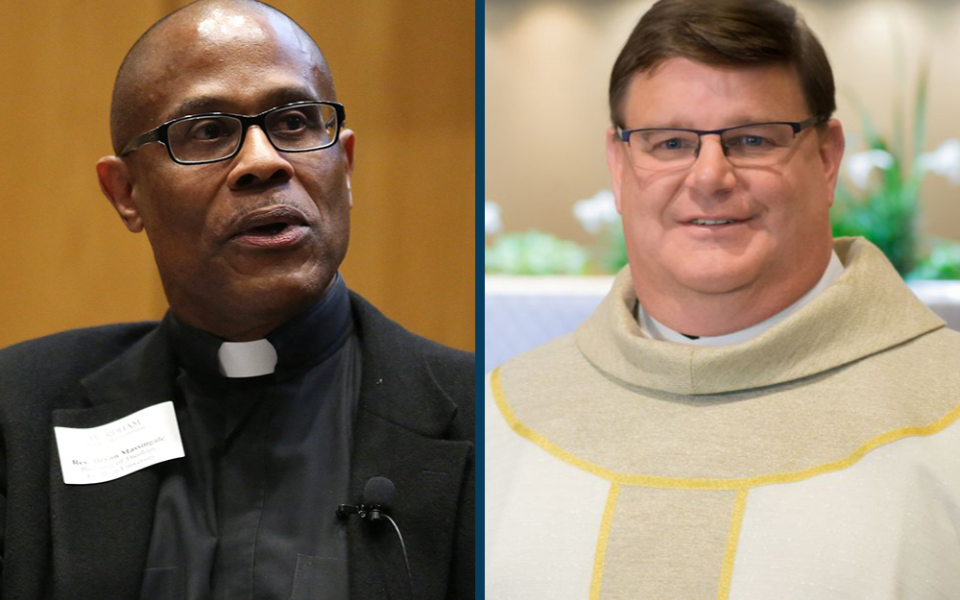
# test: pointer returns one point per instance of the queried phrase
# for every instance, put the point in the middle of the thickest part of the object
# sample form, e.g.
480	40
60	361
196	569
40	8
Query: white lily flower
597	212
859	165
491	218
945	160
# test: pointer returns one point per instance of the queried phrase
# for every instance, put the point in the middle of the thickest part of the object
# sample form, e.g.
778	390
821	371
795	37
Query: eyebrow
218	103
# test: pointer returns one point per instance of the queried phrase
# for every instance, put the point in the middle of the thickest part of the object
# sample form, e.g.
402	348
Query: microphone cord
402	547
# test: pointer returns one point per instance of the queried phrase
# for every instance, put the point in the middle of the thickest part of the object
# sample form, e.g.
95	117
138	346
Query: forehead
231	61
683	93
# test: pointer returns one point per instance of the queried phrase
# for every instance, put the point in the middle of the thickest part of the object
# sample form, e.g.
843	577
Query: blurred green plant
942	262
885	208
598	215
534	253
612	249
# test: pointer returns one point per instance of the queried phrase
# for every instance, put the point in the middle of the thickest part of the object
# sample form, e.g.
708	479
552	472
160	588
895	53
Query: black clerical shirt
249	513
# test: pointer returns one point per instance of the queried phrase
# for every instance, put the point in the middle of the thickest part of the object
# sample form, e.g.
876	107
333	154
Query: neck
244	327
233	322
716	314
301	342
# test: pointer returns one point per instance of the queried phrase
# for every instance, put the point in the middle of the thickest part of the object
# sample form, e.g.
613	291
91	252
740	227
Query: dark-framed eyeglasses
216	136
751	145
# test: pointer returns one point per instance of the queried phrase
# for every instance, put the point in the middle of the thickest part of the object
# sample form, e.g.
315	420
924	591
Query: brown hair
726	33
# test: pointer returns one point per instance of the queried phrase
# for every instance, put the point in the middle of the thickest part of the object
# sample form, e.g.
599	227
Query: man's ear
347	140
117	186
615	163
832	143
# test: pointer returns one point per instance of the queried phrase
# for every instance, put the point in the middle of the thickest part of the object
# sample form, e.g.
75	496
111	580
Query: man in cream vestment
755	411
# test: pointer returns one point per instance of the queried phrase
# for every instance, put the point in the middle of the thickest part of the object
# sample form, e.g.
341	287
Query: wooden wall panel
405	71
65	259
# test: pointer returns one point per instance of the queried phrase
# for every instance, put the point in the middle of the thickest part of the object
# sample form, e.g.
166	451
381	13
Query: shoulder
930	359
547	366
77	345
50	364
544	374
393	342
420	367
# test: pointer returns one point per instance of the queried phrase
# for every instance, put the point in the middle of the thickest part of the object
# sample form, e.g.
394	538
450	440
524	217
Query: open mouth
270	229
275	227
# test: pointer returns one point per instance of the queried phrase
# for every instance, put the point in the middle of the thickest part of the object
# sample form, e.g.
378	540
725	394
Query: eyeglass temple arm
145	138
798	127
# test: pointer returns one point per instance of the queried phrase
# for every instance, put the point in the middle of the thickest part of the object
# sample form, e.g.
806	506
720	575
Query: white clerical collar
656	330
247	359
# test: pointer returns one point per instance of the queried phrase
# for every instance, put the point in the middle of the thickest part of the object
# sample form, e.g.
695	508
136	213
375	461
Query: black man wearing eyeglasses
229	451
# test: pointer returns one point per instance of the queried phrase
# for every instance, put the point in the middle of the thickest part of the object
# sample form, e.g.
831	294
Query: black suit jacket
415	426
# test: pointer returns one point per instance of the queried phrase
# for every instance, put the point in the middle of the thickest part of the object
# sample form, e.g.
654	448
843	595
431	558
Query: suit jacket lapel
101	532
403	417
428	475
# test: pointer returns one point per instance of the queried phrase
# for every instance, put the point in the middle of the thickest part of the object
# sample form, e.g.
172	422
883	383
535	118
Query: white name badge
108	452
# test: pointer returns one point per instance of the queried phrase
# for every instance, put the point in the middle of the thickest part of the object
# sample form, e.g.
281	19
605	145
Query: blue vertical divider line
479	182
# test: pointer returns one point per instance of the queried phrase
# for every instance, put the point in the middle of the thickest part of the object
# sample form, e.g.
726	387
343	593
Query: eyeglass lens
294	128
750	145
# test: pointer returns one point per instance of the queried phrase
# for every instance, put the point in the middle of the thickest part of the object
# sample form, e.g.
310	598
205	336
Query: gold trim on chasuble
739	486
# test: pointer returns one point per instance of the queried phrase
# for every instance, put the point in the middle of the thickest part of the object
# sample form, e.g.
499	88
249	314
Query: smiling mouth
711	221
714	222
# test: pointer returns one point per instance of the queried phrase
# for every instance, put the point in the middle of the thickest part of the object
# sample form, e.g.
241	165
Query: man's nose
258	162
711	172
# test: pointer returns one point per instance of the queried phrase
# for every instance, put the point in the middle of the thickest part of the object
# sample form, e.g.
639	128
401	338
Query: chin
290	287
715	279
279	289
